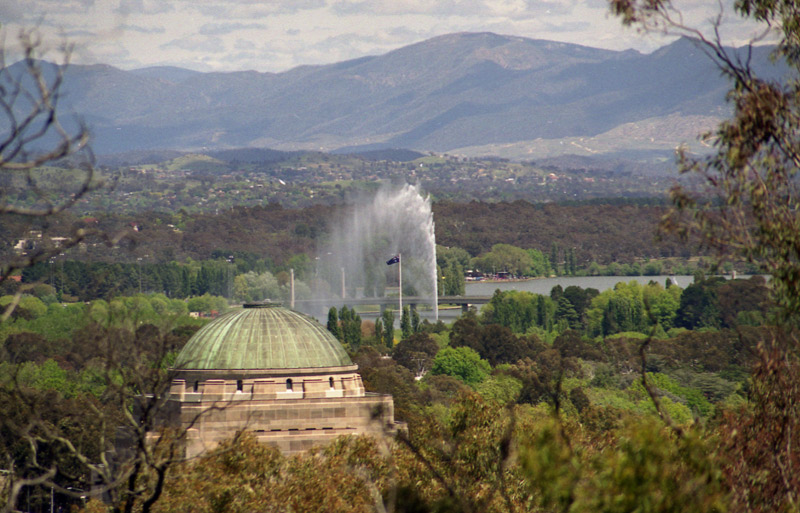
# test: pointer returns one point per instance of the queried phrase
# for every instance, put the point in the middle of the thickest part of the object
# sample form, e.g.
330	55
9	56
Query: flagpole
400	280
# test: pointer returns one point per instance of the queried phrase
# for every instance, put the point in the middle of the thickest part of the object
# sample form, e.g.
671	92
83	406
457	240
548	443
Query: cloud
146	7
114	53
79	33
196	44
42	12
253	9
142	30
456	8
276	35
12	12
219	29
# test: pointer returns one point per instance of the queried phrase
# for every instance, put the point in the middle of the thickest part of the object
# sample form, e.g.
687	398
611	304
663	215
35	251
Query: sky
277	35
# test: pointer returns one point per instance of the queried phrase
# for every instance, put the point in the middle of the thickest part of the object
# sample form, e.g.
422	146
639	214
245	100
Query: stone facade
274	372
293	409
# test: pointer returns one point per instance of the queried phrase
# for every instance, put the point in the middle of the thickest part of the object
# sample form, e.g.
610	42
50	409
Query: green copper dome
262	337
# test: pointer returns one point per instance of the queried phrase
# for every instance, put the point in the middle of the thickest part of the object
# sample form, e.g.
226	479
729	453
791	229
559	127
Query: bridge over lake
385	302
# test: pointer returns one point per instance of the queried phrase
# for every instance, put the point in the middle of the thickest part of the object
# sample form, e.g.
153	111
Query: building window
289	385
239	385
331	382
196	386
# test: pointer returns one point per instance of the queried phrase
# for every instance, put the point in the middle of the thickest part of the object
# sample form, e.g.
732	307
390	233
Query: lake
538	286
544	285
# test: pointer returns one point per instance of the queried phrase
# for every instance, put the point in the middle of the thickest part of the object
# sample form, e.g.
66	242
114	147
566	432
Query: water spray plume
394	221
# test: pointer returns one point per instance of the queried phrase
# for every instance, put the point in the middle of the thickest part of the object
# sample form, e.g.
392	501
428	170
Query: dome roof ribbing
262	337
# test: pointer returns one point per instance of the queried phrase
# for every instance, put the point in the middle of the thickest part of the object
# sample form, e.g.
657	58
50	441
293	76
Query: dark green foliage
415	326
379	332
333	323
566	311
494	343
26	347
454	284
580	299
623	313
350	323
571	344
554	259
743	302
698	307
416	353
405	322
579	399
515	310
387	319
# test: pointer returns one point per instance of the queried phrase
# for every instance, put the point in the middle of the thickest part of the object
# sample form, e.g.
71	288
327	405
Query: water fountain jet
393	221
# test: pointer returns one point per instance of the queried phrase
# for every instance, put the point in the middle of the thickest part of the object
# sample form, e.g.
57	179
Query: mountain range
469	93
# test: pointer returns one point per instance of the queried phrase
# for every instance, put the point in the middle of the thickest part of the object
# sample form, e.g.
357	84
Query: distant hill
393	154
471	93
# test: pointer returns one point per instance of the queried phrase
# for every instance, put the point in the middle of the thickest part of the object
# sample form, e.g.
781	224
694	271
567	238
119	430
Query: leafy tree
251	286
746	208
207	304
618	310
59	424
462	363
505	257
350	326
662	304
494	343
653	268
416	353
445	256
647	468
245	475
454	283
500	388
698	307
742	299
516	310
540	263
752	173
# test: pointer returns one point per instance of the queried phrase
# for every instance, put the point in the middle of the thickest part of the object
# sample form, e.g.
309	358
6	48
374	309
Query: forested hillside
602	233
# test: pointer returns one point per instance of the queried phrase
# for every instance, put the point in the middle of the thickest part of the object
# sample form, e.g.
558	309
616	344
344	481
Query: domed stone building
276	373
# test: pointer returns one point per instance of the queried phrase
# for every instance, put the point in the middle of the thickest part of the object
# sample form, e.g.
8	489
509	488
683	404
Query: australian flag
395	259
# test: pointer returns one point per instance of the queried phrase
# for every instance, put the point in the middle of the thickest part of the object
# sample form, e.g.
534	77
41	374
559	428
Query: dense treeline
601	233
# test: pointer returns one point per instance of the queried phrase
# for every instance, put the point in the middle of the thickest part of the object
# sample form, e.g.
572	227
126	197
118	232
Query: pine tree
388	328
333	324
554	258
405	322
379	332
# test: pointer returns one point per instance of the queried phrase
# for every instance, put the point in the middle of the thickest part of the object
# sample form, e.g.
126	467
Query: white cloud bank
276	35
